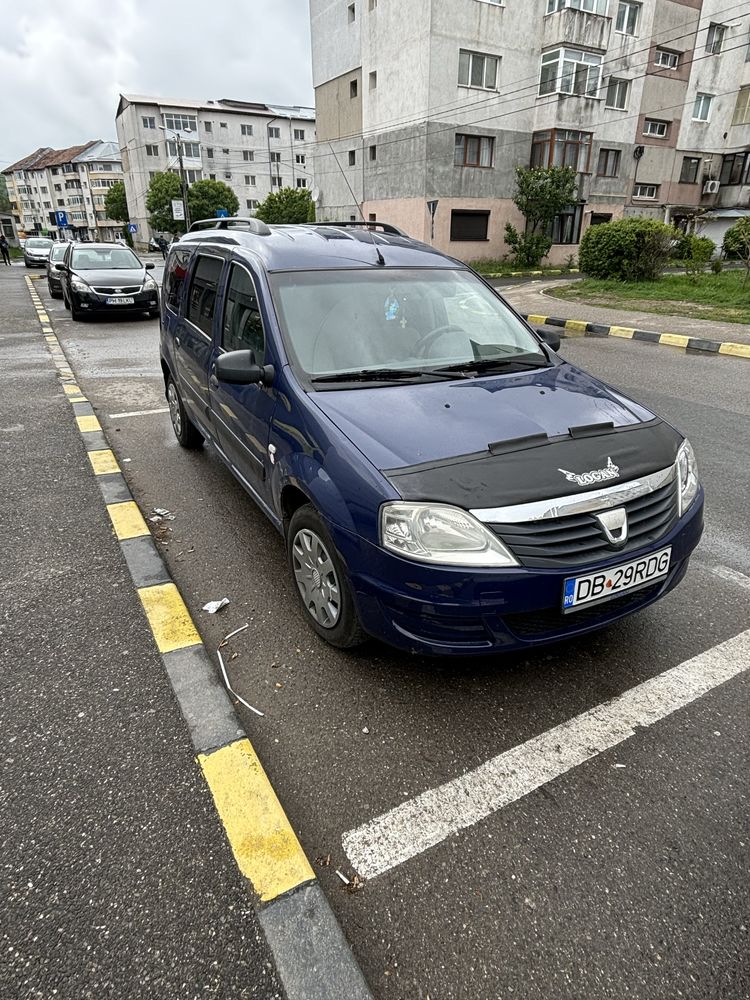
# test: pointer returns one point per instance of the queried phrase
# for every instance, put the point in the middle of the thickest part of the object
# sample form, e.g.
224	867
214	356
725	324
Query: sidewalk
118	879
530	299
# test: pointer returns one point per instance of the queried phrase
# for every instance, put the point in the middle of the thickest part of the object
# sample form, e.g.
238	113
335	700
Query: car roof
90	245
314	246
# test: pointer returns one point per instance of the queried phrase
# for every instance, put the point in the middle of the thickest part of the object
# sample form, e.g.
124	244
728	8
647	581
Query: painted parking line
430	818
138	413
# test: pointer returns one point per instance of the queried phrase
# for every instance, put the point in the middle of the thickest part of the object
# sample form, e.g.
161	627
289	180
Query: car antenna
381	258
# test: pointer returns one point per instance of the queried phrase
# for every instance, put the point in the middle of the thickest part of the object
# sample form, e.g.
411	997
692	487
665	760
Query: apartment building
649	102
74	180
253	148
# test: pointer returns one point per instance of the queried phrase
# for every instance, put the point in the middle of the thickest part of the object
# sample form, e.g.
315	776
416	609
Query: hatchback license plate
121	300
580	590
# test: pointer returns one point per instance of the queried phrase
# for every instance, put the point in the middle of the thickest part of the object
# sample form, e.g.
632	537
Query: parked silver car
36	250
56	256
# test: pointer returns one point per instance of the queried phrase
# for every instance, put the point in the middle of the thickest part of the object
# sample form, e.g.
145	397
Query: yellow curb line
622	331
738	350
169	618
88	423
103	462
127	520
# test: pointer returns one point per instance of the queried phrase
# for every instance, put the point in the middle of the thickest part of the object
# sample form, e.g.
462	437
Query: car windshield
58	252
38	244
104	259
353	321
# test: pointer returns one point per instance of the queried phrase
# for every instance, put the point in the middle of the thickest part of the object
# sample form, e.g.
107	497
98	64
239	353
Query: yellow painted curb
168	617
127	520
674	339
71	390
88	423
738	350
77	399
622	331
262	840
103	462
536	320
576	324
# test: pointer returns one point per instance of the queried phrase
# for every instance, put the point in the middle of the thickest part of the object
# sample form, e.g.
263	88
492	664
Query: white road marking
138	413
729	574
421	823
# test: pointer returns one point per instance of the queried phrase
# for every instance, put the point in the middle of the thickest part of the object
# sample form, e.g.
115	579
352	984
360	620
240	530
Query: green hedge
629	249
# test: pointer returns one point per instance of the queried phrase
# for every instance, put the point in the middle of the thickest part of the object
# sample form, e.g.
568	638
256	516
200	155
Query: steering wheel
425	342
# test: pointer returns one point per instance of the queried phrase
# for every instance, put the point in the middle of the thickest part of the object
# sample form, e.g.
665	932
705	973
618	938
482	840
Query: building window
210	152
566	225
373	79
250	180
274	132
227	175
353	88
690	167
276	182
226	150
647	192
352	157
193	176
48	204
275	157
591	6
373	152
58	187
351	12
702	107
666	59
742	107
735	168
372	4
715	38
212	177
301	182
300	158
655	128
469	226
609	163
475	69
299	135
152	150
222	124
617	94
473	150
246	129
561	148
208	126
181	123
626	21
248	155
148	122
570	71
191	149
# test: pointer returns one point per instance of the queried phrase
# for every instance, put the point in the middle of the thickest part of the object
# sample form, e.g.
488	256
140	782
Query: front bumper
459	612
146	301
35	261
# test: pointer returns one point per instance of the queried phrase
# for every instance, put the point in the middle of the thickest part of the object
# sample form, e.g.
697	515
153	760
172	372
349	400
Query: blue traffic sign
222	213
61	218
132	227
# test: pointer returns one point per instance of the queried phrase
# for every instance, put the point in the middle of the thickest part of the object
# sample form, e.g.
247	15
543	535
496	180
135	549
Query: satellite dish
315	195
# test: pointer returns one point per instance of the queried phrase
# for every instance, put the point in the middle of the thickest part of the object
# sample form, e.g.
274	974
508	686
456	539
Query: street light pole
183	178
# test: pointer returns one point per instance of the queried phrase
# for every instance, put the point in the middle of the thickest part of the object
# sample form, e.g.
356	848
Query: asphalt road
626	876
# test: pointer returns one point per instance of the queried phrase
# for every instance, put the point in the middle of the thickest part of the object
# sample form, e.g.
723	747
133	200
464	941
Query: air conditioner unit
711	187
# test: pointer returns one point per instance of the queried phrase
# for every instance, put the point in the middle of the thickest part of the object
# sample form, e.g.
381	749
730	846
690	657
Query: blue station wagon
443	479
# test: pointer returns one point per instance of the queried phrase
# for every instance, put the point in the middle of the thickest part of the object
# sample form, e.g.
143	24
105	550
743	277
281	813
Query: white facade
252	148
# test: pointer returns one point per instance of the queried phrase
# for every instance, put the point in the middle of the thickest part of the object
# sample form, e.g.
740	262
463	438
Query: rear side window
202	296
174	277
243	327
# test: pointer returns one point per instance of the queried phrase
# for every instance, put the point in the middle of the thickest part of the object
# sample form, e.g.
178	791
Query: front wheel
321	580
184	429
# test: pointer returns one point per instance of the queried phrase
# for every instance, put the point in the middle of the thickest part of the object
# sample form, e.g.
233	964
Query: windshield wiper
387	375
493	364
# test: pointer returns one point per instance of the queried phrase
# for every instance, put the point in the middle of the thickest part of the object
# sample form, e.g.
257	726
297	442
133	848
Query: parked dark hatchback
106	277
444	480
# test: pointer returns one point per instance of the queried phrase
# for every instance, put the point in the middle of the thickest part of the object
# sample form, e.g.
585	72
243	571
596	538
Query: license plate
120	300
580	590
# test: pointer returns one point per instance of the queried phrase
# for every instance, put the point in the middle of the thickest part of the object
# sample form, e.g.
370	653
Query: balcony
573	27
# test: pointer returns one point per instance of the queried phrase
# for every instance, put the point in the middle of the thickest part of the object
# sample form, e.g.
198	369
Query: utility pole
183	178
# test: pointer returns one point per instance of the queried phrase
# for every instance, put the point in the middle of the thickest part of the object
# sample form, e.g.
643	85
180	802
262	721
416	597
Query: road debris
213	606
343	877
236	631
356	884
323	860
365	730
231	690
163	513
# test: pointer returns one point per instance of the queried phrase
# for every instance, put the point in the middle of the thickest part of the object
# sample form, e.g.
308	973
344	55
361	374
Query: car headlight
79	286
687	475
439	533
149	285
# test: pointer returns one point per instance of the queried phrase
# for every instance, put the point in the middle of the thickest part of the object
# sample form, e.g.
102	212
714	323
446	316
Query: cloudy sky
65	63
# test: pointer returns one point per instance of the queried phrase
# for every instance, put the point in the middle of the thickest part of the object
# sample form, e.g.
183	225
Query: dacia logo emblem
611	471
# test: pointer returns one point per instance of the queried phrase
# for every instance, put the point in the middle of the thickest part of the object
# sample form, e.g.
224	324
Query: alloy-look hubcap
174	409
316	578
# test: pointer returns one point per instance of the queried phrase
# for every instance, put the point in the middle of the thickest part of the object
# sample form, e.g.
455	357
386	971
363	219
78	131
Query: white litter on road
213	606
231	690
437	814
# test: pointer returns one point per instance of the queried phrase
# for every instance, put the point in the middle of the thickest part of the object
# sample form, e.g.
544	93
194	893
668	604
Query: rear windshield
38	243
104	259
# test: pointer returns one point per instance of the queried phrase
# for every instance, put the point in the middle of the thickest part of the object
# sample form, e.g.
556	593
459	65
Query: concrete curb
312	957
691	345
530	274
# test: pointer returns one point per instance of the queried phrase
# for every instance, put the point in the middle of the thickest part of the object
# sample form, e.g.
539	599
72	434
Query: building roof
28	161
45	156
99	150
224	104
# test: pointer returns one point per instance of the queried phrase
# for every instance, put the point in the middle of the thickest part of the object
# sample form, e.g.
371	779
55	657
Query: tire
75	314
184	429
310	549
153	314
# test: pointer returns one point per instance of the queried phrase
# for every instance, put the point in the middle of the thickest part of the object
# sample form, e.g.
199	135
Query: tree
116	204
164	187
4	199
737	243
541	193
205	197
289	205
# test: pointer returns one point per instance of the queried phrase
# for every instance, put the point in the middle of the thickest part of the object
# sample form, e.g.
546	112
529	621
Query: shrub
681	247
528	248
700	252
717	266
737	243
629	249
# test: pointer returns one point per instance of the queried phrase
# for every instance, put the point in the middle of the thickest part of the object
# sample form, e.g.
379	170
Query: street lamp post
183	178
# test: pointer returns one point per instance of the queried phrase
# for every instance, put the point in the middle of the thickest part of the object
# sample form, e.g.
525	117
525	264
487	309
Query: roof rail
384	227
254	226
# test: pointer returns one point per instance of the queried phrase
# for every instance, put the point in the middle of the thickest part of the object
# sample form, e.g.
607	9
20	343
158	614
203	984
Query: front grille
107	290
528	624
579	538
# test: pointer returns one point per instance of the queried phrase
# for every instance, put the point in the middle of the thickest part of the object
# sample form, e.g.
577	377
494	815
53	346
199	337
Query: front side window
473	150
690	167
617	93
609	163
242	329
702	107
174	277
626	21
570	71
181	123
202	294
475	69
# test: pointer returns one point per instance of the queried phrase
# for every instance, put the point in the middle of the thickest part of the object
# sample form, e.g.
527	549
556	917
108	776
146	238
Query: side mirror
551	338
61	267
239	368
149	265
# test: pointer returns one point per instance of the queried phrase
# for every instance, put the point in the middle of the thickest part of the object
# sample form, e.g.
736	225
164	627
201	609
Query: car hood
116	277
37	252
476	442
